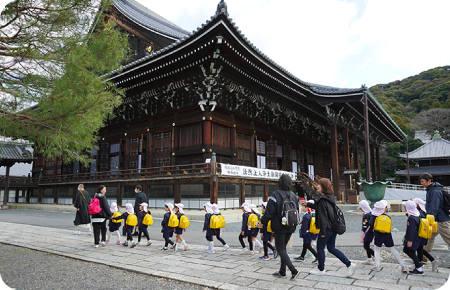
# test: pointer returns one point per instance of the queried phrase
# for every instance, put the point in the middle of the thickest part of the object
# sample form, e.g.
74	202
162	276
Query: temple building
209	117
432	157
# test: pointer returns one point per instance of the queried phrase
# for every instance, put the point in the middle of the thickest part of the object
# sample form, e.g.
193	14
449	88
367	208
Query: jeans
281	240
330	241
97	228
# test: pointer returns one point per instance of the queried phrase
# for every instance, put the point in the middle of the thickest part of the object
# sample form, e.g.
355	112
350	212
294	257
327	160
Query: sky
340	43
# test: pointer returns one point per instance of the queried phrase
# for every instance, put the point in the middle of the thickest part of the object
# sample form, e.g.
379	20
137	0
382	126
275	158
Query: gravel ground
22	268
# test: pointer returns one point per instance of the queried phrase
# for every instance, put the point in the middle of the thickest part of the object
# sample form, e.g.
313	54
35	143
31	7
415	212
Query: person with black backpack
282	211
327	217
436	205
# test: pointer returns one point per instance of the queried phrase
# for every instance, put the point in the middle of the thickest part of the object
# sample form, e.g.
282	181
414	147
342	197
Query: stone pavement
222	270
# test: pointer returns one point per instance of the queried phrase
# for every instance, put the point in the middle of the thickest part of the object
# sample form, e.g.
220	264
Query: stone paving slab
223	270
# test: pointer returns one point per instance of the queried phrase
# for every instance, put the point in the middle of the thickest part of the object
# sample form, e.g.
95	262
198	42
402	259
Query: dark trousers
221	240
281	240
249	238
266	246
422	252
412	254
307	246
145	234
129	237
99	227
330	242
168	241
369	251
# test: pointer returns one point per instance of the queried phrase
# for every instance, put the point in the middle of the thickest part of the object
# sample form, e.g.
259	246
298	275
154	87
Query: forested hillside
420	102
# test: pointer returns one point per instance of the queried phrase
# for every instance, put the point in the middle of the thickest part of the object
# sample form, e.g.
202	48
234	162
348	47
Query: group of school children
376	226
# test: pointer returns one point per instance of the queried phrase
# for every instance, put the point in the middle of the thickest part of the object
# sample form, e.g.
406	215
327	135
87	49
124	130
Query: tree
436	105
55	55
434	119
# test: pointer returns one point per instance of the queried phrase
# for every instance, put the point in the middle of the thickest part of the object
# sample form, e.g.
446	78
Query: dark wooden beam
356	159
346	160
372	163
377	153
334	159
6	193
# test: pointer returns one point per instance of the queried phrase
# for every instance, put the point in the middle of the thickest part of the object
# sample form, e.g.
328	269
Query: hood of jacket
435	185
99	195
330	198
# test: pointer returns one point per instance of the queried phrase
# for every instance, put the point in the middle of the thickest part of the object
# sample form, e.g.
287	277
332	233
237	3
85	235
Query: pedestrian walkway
222	270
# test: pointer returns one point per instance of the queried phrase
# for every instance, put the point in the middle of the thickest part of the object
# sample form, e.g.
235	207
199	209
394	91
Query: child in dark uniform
206	228
217	232
383	238
166	230
143	210
129	229
266	237
113	227
412	240
255	231
179	231
421	251
367	231
306	235
245	233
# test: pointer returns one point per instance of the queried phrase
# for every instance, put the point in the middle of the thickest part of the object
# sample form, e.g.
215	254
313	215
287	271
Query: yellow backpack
432	222
425	230
184	222
269	227
148	220
131	220
116	214
383	224
312	226
217	222
173	221
253	221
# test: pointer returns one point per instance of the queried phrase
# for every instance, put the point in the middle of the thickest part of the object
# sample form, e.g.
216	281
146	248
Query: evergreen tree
53	89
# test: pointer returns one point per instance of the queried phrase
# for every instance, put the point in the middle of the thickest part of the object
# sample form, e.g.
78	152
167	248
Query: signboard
351	171
246	171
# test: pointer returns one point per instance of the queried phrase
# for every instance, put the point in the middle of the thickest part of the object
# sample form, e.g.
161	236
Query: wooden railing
19	180
152	172
406	186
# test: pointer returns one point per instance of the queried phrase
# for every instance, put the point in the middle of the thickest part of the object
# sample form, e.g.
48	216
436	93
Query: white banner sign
245	171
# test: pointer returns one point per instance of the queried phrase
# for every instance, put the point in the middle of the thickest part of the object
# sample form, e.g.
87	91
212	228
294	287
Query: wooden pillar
372	163
119	195
55	195
346	161
233	141
176	191
266	191
6	193
356	160
214	180
366	137
377	154
28	195
207	140
39	194
16	198
242	191
334	159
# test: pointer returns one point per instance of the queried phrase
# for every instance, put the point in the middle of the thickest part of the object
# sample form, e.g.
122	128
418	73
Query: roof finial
437	135
222	8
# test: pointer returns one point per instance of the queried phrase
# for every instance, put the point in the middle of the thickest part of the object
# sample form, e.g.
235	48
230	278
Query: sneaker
149	243
279	275
118	243
171	247
317	272
209	251
271	254
77	232
185	248
416	272
102	243
164	249
412	267
309	255
295	274
175	247
264	258
225	247
315	261
376	268
133	245
90	232
368	262
251	253
435	264
405	269
125	244
107	241
96	246
351	270
261	249
299	258
275	254
244	250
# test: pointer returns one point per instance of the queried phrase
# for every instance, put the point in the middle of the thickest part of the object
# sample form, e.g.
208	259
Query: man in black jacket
140	198
99	219
283	233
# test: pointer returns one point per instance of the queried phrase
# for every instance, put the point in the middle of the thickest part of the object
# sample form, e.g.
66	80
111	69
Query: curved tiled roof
149	20
15	152
435	149
433	170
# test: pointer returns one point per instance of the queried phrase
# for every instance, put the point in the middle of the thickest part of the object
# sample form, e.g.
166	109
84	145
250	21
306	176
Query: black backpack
445	201
289	210
338	225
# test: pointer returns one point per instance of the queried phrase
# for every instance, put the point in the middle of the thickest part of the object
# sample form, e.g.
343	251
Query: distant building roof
422	135
11	153
433	170
437	148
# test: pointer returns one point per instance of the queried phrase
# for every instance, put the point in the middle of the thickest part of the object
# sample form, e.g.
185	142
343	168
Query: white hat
246	207
170	206
114	207
378	208
145	206
130	208
180	207
254	208
411	208
208	207
264	204
364	205
215	208
420	203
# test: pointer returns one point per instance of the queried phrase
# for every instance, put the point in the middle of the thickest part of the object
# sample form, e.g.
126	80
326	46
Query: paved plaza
222	270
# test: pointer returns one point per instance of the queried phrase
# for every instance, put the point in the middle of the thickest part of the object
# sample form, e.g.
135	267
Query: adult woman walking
325	211
99	219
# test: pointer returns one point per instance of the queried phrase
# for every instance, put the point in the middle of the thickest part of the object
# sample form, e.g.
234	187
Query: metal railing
406	186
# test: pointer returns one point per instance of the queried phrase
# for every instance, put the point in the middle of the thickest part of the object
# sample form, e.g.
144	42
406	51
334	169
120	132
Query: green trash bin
374	191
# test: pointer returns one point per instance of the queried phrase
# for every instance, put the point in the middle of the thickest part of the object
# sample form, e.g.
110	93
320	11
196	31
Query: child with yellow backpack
114	225
144	220
168	226
421	251
218	231
382	226
130	222
245	232
255	229
367	231
266	237
182	225
308	232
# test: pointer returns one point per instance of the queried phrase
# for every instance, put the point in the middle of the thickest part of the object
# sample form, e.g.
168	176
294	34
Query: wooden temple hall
209	117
